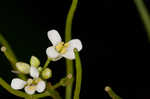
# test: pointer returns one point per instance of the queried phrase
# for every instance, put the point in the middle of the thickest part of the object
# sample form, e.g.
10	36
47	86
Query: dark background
117	54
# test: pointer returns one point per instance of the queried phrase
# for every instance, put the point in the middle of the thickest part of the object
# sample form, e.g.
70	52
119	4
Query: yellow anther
63	51
66	44
29	82
59	46
62	48
37	80
31	88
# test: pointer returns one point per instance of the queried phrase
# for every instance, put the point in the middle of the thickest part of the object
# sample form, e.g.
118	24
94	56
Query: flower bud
46	73
23	67
34	61
40	69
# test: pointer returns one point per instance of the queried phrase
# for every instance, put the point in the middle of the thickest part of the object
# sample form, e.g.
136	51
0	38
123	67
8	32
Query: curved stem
144	15
111	93
8	52
78	75
69	63
69	20
46	63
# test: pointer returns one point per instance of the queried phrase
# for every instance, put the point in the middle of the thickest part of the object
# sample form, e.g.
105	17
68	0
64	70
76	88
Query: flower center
32	87
62	47
31	82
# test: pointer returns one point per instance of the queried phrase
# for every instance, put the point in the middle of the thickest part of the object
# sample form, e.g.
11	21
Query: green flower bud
34	61
23	67
46	73
40	69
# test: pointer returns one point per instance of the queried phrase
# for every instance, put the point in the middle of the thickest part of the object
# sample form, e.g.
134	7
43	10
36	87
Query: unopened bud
23	67
46	73
40	69
34	61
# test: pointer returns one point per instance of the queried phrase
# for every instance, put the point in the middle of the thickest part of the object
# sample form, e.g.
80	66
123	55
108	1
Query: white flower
31	85
61	49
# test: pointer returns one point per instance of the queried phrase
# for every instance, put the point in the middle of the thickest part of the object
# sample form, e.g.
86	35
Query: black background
115	48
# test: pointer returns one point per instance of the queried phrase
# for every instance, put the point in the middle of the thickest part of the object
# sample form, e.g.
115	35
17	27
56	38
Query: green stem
144	15
69	63
63	82
46	63
69	70
78	75
54	94
8	52
69	20
111	93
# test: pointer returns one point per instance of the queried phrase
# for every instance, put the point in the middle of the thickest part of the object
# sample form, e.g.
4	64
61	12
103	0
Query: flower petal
17	83
54	37
51	52
34	72
30	89
40	86
69	54
75	43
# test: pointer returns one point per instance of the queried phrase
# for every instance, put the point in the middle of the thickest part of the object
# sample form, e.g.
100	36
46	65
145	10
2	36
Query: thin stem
144	15
59	84
111	93
63	82
69	70
46	63
69	63
8	52
69	20
52	92
78	75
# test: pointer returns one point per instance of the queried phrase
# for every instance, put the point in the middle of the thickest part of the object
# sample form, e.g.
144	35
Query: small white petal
30	89
34	72
54	37
40	86
17	83
75	43
51	52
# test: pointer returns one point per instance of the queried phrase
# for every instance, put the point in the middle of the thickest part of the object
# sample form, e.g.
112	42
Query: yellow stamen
63	51
62	48
37	80
59	46
66	44
31	88
29	82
